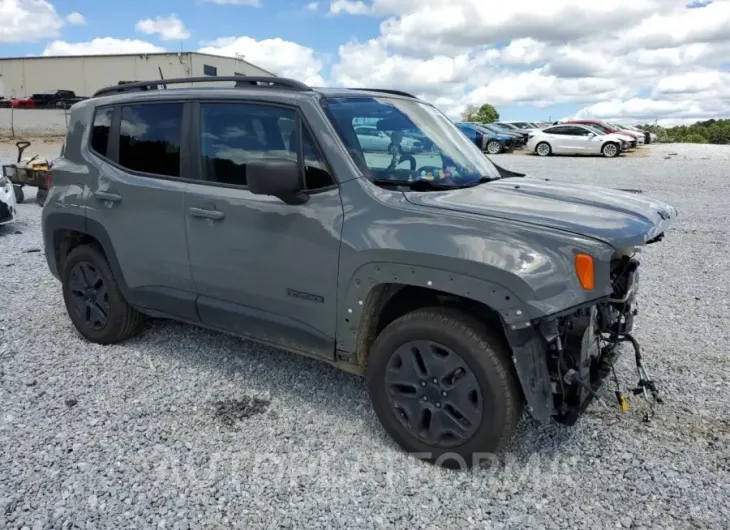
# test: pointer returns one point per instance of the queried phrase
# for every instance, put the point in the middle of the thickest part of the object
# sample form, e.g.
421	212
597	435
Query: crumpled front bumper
564	359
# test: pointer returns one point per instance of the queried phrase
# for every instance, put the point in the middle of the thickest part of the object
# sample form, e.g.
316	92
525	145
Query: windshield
406	140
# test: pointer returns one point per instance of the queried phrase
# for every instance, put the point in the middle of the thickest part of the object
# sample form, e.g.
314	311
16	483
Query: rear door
263	268
577	139
556	138
135	206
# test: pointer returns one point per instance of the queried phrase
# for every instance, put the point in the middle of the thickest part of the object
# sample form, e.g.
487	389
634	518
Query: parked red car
22	103
608	129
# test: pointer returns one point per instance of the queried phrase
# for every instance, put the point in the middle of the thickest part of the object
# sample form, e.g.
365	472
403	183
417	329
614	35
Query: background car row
566	137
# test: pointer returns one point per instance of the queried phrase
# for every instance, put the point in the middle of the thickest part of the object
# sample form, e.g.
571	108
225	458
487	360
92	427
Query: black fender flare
57	221
366	295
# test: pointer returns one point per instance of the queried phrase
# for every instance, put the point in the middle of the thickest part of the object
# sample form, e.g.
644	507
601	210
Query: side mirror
279	177
591	134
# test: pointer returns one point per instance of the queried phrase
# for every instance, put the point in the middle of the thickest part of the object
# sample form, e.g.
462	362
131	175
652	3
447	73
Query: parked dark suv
461	291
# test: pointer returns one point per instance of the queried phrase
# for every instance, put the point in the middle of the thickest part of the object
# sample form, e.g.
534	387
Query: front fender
370	277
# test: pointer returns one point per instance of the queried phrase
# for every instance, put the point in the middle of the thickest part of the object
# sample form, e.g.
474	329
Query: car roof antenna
162	77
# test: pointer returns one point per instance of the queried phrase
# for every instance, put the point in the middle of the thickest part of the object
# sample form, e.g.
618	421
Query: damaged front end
578	347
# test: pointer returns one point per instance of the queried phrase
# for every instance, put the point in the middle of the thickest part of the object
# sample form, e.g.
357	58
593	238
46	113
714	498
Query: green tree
484	114
695	138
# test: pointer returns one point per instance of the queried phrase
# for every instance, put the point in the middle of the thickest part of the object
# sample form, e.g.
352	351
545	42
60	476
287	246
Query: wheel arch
66	231
380	292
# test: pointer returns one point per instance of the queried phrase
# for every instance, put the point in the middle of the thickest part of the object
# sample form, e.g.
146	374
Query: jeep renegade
462	292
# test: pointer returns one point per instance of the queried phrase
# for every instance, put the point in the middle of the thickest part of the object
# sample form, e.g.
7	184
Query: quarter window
100	130
149	138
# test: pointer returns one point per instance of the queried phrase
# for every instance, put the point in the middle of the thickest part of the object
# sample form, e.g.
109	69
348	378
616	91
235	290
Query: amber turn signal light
584	270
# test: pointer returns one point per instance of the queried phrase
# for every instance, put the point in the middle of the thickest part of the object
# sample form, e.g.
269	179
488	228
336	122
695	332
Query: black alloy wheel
433	393
93	299
443	386
89	295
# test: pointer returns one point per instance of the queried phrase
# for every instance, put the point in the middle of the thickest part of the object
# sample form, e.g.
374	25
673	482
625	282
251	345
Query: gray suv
462	292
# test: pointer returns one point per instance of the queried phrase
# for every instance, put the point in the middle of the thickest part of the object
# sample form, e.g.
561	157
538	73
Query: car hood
501	137
621	219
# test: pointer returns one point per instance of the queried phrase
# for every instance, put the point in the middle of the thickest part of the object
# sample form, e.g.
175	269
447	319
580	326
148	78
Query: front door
263	268
135	206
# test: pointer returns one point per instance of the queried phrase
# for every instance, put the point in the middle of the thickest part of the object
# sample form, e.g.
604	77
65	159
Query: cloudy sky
635	60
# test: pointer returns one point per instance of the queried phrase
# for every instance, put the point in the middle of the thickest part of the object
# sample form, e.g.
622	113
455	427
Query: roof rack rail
387	91
242	81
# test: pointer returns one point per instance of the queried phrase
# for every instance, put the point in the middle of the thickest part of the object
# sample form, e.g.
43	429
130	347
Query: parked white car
373	140
576	140
8	206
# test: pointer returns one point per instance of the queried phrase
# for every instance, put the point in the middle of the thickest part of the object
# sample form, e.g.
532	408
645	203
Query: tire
494	147
543	149
489	372
610	150
41	197
122	320
19	194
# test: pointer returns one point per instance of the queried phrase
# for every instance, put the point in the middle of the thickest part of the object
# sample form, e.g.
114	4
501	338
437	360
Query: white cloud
168	28
351	7
76	18
312	6
28	21
642	58
100	46
283	58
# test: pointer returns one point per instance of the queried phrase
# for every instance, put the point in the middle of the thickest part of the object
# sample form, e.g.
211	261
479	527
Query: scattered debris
71	402
31	250
232	410
31	383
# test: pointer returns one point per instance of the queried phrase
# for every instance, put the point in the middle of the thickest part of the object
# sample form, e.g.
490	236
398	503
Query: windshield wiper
418	184
480	180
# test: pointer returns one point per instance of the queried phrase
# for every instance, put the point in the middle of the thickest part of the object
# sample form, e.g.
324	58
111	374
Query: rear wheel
494	147
610	150
443	387
19	194
93	299
543	149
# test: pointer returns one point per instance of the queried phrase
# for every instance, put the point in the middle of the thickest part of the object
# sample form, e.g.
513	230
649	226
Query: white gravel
151	433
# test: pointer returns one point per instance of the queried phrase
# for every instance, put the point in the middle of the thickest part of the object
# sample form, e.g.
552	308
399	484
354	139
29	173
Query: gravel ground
186	428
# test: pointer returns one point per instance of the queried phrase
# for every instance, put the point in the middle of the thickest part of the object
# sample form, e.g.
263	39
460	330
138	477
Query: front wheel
494	147
443	387
610	150
543	149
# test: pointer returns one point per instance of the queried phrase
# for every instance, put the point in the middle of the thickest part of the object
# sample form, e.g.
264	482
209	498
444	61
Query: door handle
207	214
107	196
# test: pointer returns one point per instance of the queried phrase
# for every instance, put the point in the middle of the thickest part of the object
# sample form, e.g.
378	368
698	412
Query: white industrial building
85	74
